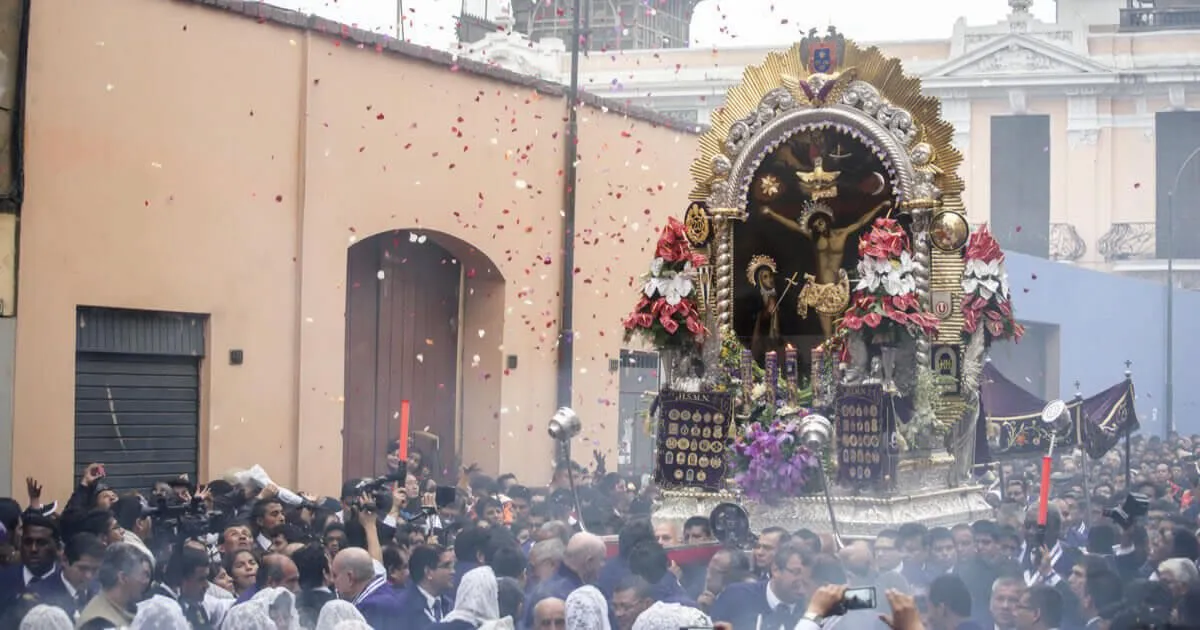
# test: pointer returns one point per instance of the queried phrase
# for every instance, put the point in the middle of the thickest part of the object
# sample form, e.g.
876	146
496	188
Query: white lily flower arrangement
673	286
894	276
985	279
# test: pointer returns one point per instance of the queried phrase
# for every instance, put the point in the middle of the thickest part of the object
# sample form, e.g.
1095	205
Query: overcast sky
725	23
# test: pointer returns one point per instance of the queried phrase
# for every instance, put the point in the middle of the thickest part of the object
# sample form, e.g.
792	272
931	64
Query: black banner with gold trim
864	427
693	436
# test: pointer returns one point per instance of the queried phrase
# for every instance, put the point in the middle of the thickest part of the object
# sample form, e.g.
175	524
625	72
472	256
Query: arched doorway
410	297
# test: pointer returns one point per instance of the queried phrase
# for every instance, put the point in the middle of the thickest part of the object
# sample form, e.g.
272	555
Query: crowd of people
401	553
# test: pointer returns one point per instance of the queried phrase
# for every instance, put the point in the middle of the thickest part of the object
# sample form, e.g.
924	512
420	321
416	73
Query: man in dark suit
70	587
355	580
980	571
1062	557
772	604
40	543
1103	595
426	600
185	580
582	563
949	604
1048	560
313	566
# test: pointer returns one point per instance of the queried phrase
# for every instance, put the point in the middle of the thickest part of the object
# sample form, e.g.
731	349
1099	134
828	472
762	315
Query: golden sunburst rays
786	69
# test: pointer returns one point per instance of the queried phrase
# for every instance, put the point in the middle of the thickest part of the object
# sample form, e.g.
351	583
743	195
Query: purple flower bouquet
770	463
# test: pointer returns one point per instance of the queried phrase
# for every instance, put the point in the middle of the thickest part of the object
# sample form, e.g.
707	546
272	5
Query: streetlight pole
566	338
1170	405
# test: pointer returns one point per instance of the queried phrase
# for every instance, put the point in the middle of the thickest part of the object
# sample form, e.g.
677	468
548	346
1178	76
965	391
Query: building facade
1099	111
1082	147
225	263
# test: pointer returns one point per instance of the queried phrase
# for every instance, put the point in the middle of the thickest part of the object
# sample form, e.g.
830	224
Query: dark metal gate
638	383
137	394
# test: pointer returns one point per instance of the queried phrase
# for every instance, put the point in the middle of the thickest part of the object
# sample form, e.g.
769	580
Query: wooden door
402	344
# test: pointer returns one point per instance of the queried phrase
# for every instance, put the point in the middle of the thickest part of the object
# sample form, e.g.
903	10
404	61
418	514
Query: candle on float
818	359
772	367
403	430
791	372
746	370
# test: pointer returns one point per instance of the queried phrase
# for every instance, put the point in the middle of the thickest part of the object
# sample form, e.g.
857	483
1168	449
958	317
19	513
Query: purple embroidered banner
1012	419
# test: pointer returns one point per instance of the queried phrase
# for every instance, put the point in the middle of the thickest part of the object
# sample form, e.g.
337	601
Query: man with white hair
544	559
581	563
1178	575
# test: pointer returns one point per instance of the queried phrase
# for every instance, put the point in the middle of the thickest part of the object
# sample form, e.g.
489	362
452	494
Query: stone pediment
1017	54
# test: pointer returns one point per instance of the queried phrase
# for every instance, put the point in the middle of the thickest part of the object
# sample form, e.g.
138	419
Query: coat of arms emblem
942	304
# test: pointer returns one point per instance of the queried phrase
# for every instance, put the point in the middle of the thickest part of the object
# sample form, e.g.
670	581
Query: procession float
822	309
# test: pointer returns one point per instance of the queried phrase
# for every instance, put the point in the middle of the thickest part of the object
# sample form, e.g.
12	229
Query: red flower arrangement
667	312
986	300
886	292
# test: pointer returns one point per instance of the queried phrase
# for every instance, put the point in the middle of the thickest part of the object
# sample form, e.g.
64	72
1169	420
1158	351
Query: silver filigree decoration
898	121
770	105
1128	241
721	165
1065	243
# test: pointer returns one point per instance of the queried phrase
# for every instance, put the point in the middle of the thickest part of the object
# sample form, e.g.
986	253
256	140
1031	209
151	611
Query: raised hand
34	490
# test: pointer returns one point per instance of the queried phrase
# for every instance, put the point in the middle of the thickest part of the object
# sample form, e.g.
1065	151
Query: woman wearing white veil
662	616
336	612
281	606
43	617
587	610
252	615
159	613
353	625
476	604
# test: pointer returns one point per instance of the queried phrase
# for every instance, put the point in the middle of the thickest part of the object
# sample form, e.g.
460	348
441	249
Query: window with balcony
1020	200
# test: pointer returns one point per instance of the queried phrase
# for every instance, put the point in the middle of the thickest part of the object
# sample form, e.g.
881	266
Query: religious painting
809	202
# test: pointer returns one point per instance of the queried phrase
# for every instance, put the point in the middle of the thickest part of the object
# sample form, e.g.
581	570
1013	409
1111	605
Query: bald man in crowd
859	562
581	565
550	614
355	581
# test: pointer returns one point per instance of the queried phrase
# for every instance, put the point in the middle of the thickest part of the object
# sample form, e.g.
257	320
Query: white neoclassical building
1074	132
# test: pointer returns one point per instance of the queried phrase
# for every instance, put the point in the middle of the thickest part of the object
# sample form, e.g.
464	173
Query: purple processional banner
693	436
1012	419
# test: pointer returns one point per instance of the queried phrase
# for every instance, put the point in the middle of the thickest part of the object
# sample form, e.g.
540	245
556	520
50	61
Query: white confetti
420	358
110	87
379	274
522	184
482	332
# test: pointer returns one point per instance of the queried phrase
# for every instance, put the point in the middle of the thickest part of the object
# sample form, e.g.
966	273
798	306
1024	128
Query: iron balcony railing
1160	18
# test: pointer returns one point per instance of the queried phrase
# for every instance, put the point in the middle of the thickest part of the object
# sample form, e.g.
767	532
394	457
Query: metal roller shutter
137	395
138	415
